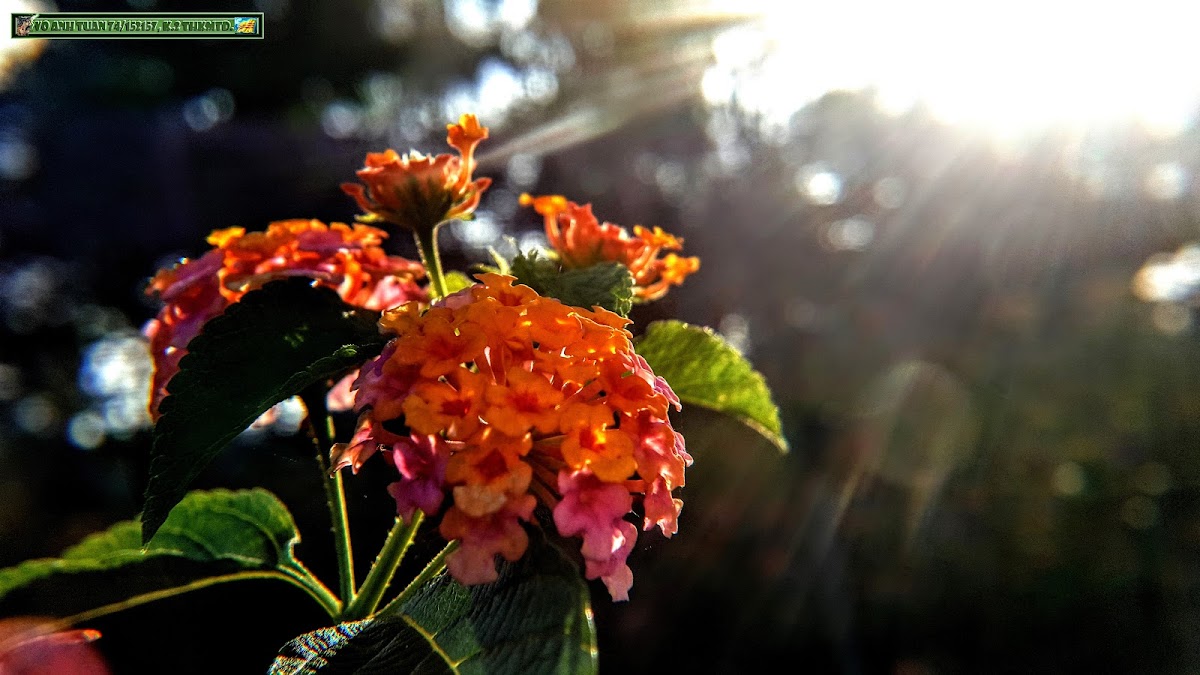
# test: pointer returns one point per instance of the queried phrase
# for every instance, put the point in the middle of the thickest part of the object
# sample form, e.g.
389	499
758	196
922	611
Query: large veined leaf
705	371
210	537
268	347
535	619
608	284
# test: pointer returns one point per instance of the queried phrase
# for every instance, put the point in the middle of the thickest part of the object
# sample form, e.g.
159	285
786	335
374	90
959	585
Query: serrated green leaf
456	281
533	269
704	370
609	285
210	537
269	346
536	618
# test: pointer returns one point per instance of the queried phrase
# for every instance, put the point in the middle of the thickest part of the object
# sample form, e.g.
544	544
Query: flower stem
321	426
427	245
434	568
315	589
380	576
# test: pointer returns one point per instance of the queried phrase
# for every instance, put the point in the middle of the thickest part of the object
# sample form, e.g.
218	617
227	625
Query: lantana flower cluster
417	191
581	240
491	400
499	398
348	259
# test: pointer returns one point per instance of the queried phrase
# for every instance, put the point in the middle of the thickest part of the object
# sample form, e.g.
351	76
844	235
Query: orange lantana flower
417	191
511	398
348	259
581	240
32	645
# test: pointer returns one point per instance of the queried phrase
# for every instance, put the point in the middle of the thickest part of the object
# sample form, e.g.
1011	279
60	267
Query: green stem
380	576
314	588
434	568
335	494
427	245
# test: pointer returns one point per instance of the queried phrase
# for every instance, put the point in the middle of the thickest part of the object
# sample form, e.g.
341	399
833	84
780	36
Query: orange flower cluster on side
32	646
418	191
511	398
581	240
348	259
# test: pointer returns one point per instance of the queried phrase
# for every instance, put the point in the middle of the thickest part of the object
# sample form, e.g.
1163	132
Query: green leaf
209	538
456	281
609	285
380	645
704	370
536	618
269	346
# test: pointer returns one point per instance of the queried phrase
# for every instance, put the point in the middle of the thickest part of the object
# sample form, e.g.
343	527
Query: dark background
994	464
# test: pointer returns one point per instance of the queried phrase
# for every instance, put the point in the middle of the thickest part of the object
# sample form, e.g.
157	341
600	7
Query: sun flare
1011	68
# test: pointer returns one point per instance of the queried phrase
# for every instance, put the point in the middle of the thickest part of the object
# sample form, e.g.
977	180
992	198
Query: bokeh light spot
1139	512
1167	181
341	118
116	372
820	185
86	430
1153	479
209	109
889	192
850	234
18	159
534	240
524	169
10	382
1171	318
1169	278
35	414
1069	480
736	331
478	233
671	178
800	313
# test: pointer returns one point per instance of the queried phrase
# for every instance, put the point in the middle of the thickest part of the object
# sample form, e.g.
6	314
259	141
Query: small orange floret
607	453
220	238
440	347
549	206
417	191
525	401
435	406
